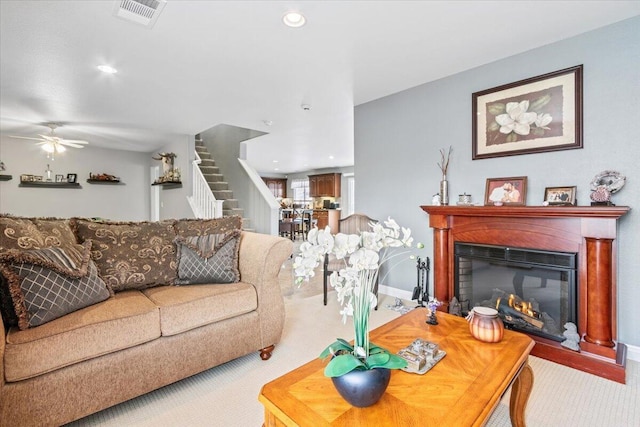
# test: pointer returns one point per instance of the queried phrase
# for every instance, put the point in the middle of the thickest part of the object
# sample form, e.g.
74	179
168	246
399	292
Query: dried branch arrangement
444	164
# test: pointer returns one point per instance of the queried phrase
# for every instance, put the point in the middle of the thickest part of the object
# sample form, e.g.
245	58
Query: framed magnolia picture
560	196
535	115
510	191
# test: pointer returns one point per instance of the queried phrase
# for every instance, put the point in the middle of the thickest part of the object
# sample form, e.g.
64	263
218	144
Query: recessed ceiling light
275	161
276	169
331	157
293	19
107	69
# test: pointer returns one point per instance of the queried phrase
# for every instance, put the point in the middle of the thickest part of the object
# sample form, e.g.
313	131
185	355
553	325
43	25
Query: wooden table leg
520	392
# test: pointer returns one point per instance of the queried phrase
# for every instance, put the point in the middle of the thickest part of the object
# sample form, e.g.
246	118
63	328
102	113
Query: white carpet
227	395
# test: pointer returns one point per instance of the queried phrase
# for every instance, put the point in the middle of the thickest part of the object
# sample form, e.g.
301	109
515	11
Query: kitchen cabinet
330	217
277	186
325	185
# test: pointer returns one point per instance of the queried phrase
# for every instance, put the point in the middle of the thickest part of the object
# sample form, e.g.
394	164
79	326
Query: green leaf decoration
343	364
493	127
378	360
395	362
539	103
512	137
497	108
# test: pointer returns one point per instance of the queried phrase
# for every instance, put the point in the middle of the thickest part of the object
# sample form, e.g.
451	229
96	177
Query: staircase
218	185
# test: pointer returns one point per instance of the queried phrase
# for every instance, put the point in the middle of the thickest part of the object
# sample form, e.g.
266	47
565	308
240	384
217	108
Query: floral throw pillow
211	258
131	255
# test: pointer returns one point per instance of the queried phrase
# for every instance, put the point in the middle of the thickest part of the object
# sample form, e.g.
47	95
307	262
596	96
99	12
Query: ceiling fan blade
49	138
25	137
71	144
73	141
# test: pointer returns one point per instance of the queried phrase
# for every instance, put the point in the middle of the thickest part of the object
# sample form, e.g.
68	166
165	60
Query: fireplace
583	237
534	291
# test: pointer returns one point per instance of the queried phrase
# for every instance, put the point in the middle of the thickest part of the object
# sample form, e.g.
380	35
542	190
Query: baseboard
395	292
633	352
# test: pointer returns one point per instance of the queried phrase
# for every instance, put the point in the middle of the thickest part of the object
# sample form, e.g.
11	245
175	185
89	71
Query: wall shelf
104	182
44	184
169	184
5	177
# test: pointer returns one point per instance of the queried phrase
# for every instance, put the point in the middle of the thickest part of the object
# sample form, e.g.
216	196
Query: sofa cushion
48	283
126	320
201	227
131	255
211	258
183	308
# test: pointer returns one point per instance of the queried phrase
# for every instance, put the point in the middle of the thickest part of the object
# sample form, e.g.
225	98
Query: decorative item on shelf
433	305
3	168
444	184
485	325
103	177
362	365
170	174
604	185
60	178
464	199
559	196
48	173
435	200
72	177
509	191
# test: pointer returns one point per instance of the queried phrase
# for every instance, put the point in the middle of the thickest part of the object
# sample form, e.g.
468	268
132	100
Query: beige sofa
141	337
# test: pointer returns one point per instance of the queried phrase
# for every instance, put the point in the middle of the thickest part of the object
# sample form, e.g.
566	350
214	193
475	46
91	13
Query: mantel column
442	259
599	292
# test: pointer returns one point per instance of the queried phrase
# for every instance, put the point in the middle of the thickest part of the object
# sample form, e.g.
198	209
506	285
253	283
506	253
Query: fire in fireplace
534	291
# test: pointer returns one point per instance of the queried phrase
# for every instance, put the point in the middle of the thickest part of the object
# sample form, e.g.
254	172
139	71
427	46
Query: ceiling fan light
48	147
60	148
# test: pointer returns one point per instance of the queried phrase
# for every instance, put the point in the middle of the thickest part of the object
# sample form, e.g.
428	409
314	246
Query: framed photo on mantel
535	115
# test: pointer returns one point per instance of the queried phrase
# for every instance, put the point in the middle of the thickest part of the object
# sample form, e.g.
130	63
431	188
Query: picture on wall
510	191
535	115
560	196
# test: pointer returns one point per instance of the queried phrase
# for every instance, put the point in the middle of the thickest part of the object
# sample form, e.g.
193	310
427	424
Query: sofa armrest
3	340
260	261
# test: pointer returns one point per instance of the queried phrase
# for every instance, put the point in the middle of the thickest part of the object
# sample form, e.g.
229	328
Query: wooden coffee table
463	389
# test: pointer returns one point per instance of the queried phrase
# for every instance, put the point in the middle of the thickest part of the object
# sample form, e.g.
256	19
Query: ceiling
206	63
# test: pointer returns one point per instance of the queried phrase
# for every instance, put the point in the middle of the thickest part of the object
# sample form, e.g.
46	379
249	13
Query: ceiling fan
54	144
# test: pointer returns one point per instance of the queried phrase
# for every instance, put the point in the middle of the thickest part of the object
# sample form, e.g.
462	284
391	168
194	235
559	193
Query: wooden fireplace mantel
589	231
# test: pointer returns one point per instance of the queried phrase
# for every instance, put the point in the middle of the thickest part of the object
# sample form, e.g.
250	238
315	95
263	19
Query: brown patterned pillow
201	227
131	255
34	233
46	284
212	258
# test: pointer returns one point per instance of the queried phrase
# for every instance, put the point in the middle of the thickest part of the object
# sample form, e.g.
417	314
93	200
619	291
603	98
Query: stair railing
202	201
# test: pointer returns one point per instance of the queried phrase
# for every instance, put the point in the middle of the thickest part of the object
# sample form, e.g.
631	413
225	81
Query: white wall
173	201
398	138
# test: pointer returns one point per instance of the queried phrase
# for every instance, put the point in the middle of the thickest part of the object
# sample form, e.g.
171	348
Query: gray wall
128	202
398	138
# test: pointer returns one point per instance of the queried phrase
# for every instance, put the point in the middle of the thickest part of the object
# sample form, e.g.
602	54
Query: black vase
362	388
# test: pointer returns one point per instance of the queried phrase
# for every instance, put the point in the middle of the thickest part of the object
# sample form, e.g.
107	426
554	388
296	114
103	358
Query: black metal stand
421	291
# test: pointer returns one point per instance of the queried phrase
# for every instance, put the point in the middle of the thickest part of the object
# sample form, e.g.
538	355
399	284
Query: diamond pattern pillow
210	258
42	293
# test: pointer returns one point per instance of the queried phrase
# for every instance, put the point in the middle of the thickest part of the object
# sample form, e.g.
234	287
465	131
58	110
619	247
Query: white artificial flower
364	259
345	244
516	119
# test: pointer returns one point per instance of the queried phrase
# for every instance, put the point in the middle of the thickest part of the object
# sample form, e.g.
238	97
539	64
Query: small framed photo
510	191
60	178
72	177
560	196
26	178
37	177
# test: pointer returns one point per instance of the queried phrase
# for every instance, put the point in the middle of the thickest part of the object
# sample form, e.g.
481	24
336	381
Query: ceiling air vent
144	12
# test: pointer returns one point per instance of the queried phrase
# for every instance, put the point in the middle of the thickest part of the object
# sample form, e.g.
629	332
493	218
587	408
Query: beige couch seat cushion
183	308
123	321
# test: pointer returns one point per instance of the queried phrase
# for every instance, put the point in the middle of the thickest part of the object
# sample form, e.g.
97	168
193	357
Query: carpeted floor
227	395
